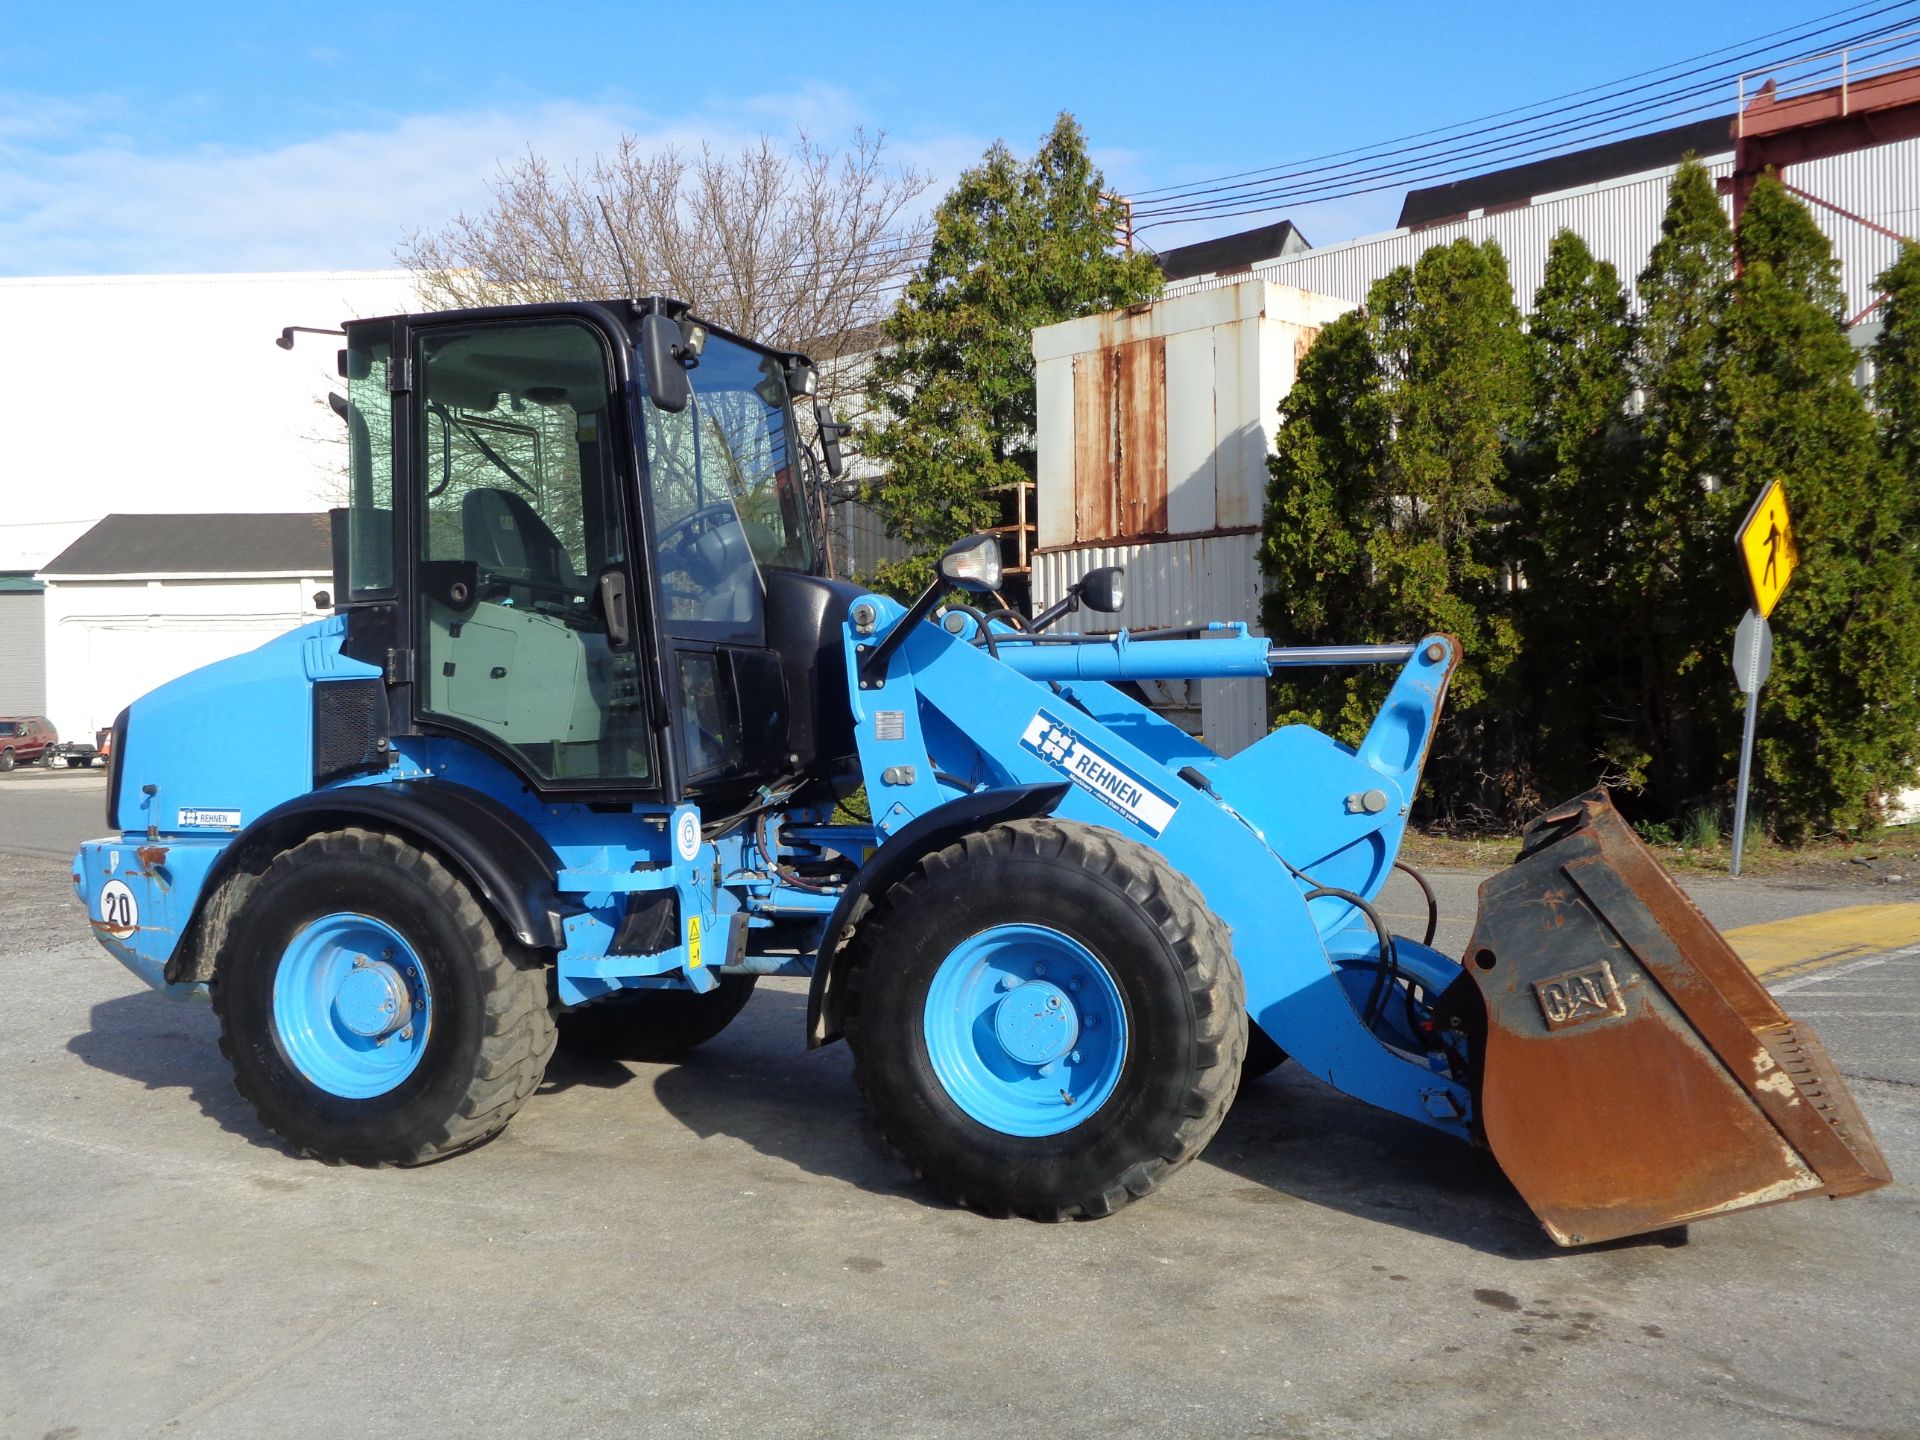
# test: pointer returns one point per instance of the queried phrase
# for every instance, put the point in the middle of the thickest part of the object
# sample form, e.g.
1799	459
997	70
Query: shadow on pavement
758	1084
169	1045
1293	1136
1288	1136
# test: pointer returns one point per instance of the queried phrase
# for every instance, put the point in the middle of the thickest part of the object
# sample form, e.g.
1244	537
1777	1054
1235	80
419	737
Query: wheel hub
1025	1028
372	1000
352	1006
1036	1023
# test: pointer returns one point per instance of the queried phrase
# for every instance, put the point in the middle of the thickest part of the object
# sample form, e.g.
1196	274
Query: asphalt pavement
722	1248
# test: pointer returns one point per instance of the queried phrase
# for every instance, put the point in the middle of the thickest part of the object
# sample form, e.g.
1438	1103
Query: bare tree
795	246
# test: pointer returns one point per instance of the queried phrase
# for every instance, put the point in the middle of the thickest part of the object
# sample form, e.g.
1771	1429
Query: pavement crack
242	1383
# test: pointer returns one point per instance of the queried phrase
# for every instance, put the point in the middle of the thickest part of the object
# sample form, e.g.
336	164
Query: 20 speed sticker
119	911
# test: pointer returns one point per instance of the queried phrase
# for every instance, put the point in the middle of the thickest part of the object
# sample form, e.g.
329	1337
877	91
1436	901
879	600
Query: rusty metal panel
1634	1074
1120	441
1177	582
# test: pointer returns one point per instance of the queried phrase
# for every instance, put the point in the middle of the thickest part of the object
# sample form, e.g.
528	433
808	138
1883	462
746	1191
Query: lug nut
1039	971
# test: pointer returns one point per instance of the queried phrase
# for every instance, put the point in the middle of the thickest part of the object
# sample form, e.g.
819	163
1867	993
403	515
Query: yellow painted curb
1782	948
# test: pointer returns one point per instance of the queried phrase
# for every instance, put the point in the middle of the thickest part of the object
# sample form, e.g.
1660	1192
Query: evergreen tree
1570	479
1673	558
1015	246
1390	469
1841	723
1896	401
1896	385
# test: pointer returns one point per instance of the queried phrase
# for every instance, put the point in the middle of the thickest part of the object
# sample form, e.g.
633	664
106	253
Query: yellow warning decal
693	942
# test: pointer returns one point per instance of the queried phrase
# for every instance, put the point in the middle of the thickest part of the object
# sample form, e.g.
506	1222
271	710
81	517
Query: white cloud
81	194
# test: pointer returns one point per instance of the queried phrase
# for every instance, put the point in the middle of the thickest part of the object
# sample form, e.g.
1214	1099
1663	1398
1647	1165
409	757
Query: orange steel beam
1775	132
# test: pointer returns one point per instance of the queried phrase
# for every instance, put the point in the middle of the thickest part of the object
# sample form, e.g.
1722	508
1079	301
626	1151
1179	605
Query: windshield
726	489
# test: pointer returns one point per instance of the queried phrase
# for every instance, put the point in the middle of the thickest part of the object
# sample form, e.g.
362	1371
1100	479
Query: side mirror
661	348
973	564
830	432
1104	589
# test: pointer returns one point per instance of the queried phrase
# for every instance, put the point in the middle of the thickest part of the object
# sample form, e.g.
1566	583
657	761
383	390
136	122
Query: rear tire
653	1024
354	930
6	759
1047	1020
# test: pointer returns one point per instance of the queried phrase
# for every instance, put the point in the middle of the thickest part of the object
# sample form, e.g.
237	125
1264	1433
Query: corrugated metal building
23	645
1618	217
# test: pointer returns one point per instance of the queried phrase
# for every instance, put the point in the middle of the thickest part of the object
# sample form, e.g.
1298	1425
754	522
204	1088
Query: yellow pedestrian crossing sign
1765	543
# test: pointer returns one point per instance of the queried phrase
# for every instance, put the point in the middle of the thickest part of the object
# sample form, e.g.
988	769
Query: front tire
1048	1020
373	1012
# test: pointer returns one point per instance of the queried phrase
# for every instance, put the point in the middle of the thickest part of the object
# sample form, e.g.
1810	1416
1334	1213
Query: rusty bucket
1634	1074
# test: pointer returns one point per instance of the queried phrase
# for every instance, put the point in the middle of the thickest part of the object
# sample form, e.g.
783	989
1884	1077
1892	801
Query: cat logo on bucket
1579	996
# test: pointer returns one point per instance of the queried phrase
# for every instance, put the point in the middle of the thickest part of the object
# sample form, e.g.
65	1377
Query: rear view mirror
1104	589
661	348
830	432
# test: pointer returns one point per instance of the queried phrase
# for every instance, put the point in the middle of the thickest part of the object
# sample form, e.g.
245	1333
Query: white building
159	395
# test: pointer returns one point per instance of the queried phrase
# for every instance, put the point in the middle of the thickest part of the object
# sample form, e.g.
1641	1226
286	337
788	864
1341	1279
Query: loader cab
556	568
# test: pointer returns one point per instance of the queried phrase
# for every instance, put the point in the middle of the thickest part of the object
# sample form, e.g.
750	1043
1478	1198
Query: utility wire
1648	108
1526	114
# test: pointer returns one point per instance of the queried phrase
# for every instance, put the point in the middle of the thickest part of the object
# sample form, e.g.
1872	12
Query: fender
495	850
939	827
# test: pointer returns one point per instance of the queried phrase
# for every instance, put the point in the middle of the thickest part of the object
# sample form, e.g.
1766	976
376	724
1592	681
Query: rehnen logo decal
1098	773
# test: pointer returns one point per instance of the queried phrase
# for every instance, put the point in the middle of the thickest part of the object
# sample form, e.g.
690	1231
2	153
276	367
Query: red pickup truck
27	737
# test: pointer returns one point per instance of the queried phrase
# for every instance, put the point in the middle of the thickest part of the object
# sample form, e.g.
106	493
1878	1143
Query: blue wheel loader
580	755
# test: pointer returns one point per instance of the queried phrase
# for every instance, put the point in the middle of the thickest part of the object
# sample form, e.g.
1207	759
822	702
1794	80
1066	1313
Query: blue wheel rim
351	1006
1025	1029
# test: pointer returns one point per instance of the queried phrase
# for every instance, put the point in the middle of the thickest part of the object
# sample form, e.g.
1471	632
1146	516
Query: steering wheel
679	535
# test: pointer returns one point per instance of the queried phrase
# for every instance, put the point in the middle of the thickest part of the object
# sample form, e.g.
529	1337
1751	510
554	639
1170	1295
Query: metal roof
1612	161
1232	252
199	545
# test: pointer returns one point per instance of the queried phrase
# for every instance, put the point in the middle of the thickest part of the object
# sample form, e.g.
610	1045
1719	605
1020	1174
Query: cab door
528	641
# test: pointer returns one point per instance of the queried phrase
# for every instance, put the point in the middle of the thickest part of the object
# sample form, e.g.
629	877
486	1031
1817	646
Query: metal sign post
1752	662
1766	547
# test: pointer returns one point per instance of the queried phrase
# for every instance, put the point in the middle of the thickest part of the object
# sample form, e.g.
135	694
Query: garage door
23	653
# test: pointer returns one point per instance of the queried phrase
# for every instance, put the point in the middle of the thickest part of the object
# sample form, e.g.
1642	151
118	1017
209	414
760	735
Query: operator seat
502	533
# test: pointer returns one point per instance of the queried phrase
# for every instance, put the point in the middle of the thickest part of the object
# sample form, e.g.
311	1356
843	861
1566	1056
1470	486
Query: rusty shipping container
1154	428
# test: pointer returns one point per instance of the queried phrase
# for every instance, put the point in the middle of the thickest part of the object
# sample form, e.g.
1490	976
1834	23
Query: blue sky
200	136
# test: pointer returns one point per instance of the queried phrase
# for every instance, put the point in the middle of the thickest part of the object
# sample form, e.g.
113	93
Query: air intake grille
349	728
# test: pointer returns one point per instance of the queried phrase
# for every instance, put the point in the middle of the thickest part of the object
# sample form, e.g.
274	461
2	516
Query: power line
1468	129
1239	195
